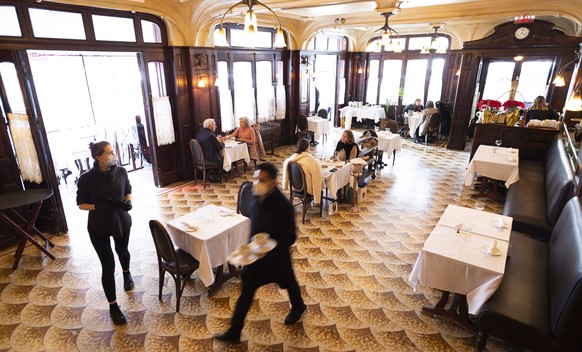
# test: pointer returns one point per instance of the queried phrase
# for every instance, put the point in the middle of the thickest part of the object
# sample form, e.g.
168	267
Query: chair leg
162	273
204	178
178	281
481	341
195	175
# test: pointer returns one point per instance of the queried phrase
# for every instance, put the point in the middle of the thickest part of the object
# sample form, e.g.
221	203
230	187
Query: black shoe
128	284
228	336
116	315
415	140
294	315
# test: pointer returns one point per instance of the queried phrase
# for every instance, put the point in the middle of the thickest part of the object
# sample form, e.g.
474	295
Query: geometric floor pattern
352	269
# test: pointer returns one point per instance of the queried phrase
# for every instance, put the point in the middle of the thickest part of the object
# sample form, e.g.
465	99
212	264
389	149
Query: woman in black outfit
105	192
540	110
347	148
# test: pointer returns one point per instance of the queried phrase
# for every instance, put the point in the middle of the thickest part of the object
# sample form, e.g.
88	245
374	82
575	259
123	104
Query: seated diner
346	147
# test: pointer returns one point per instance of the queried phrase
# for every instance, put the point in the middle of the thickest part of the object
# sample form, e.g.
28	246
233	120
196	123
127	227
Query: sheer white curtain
244	94
266	110
281	102
163	120
24	146
225	96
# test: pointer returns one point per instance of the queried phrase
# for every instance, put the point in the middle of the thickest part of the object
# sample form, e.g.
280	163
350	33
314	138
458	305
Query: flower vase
511	117
487	116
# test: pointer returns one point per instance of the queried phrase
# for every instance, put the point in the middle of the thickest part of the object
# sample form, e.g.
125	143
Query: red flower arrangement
511	104
488	104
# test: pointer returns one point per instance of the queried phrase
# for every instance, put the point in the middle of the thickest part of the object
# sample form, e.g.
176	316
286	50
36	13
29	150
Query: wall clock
521	33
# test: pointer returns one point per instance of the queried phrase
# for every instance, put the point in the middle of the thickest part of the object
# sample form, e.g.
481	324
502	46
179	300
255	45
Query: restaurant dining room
194	175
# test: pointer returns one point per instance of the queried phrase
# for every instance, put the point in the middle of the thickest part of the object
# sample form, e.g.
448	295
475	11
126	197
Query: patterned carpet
352	269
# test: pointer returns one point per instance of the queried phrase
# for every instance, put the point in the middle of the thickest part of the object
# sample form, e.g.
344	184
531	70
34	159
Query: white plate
496	251
267	247
235	258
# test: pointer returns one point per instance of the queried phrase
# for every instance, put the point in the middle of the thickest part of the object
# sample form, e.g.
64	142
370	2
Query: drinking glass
498	142
479	206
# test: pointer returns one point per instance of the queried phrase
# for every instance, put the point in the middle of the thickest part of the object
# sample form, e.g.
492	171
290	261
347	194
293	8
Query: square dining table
319	126
220	231
495	163
233	152
455	261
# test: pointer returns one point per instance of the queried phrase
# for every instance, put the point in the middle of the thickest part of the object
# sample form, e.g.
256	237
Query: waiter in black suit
271	212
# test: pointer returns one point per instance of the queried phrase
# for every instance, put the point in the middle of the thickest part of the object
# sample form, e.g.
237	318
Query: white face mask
111	160
260	189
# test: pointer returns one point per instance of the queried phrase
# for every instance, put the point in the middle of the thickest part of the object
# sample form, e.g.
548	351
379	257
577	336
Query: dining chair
392	125
322	113
201	164
298	188
434	126
178	263
244	199
303	132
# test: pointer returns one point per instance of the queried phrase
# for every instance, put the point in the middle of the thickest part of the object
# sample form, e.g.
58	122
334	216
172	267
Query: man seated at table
347	148
212	148
423	126
311	167
417	106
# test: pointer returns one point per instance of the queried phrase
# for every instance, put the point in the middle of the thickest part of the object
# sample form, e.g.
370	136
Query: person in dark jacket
105	192
540	110
143	142
212	148
271	212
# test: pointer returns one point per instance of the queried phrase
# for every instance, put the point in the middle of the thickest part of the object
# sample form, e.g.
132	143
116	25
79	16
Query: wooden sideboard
531	142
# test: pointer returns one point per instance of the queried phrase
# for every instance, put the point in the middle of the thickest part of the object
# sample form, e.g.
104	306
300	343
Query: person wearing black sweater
346	147
105	192
271	212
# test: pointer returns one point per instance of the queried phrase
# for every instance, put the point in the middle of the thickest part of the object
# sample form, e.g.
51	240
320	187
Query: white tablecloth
234	151
373	112
494	165
389	142
413	122
334	181
456	263
217	236
484	223
319	126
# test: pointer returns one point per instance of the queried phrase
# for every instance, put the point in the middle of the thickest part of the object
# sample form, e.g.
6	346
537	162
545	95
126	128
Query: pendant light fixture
251	26
388	37
434	46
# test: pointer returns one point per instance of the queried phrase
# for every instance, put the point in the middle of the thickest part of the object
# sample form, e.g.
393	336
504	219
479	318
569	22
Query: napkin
191	225
492	247
224	211
510	158
501	223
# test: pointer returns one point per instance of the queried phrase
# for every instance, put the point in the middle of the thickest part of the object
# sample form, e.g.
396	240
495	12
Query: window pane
342	91
390	81
280	73
244	94
226	111
43	24
498	81
9	25
117	29
435	85
157	79
151	32
325	73
333	44
321	43
418	43
414	80
264	73
13	92
533	80
372	88
261	39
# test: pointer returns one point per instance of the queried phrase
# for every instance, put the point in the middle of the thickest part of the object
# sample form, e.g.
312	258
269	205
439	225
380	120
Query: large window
236	36
498	80
372	87
414	80
390	85
534	79
113	28
435	84
244	94
265	91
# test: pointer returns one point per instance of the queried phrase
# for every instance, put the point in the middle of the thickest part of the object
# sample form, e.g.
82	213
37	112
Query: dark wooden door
165	158
17	95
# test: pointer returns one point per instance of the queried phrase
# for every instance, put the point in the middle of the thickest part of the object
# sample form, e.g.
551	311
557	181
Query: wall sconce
251	27
559	79
518	58
358	65
575	101
203	72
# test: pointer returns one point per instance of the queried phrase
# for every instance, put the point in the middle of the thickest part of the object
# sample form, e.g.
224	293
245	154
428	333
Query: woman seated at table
347	148
540	110
245	133
310	166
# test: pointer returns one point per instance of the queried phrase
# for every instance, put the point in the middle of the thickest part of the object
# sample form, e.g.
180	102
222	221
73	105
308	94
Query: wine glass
498	144
479	206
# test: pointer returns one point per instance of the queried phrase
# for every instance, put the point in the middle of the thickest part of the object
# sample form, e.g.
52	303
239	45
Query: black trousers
102	245
260	274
